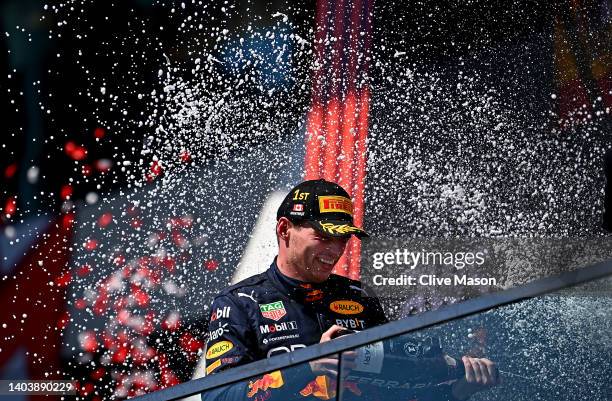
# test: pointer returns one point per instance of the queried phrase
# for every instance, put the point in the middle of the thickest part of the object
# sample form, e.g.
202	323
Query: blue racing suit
270	313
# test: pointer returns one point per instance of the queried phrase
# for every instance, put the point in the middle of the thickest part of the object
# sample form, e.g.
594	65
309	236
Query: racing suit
270	313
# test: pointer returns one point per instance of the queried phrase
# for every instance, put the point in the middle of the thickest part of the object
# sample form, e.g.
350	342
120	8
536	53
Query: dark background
443	78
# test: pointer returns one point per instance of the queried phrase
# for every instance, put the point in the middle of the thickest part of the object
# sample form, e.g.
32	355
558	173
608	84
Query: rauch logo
218	349
346	307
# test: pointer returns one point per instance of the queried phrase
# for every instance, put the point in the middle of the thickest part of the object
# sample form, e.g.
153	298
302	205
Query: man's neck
288	270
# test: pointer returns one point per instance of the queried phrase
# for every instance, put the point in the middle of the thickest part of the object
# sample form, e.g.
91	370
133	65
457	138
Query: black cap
324	204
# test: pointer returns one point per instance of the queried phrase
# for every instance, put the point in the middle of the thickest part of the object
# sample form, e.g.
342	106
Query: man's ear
282	228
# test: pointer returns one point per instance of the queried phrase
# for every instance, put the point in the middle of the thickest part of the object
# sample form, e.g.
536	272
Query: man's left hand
480	374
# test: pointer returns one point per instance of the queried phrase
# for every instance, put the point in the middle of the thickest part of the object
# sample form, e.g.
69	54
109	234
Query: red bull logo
314	295
324	388
269	380
321	387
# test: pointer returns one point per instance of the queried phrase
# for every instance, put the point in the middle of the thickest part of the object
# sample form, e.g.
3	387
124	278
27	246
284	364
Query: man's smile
326	260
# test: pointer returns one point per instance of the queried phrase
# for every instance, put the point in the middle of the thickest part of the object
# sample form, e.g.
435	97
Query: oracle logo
279	350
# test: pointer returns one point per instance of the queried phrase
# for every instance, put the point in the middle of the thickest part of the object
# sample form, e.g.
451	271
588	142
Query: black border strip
392	329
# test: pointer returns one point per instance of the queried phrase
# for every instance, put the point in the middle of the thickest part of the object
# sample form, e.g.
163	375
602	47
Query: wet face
312	254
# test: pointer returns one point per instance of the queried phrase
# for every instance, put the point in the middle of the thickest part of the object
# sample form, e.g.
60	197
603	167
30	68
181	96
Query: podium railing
536	304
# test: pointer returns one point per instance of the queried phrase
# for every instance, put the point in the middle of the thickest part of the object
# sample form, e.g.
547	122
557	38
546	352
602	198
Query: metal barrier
417	322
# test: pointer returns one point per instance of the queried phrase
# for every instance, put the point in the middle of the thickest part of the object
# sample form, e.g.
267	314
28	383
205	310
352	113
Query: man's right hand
329	366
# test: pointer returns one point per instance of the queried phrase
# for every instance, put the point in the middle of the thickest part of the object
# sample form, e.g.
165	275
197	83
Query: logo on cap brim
339	229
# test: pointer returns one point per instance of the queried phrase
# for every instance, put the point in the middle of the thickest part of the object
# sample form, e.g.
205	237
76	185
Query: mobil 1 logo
278	327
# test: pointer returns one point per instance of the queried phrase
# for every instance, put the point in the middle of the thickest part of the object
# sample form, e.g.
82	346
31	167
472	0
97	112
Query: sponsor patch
269	380
314	295
298	207
283	349
351	323
218	349
278	327
266	341
229	360
250	296
341	229
346	307
275	310
335	204
214	334
213	366
321	387
223	313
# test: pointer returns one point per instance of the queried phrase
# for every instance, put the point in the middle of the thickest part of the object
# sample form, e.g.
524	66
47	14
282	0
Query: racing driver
299	302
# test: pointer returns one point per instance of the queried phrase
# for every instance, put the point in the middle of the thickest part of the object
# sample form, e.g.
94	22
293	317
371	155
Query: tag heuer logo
275	310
